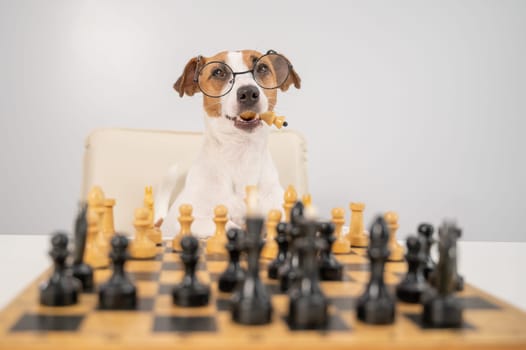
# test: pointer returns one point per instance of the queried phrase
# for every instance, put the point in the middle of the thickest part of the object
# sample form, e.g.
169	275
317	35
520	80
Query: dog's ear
293	78
186	84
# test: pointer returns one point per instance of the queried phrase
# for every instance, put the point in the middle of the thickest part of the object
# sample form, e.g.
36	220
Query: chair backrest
124	161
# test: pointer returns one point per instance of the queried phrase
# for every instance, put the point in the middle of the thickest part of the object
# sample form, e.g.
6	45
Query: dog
234	152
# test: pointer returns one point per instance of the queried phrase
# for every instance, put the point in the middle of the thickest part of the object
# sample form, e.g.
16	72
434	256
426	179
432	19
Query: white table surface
495	267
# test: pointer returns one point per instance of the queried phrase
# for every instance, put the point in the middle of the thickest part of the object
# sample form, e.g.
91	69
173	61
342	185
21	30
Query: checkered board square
158	324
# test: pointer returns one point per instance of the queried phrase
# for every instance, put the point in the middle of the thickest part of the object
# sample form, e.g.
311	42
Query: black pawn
425	232
234	273
376	305
330	268
190	292
251	302
62	288
283	243
82	271
441	308
307	303
118	293
414	284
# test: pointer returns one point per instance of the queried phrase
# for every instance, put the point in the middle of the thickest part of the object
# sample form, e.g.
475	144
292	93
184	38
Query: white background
412	106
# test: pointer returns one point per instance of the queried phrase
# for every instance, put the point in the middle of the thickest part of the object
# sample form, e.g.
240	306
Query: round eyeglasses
216	78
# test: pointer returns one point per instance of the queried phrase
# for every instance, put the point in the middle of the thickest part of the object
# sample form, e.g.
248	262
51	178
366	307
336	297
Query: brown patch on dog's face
292	79
272	97
186	85
212	105
249	58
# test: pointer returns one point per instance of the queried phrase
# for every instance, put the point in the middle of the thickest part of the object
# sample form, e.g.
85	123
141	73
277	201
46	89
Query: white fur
163	195
230	160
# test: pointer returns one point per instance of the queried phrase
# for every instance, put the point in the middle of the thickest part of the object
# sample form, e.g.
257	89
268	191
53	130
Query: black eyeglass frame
269	52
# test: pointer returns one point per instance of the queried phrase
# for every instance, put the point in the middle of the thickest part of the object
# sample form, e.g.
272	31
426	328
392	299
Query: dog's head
233	82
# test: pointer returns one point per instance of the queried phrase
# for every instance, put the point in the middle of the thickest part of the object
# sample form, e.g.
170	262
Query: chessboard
489	323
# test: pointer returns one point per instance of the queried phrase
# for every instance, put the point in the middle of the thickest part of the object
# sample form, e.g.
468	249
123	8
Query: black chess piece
454	234
441	308
414	283
250	304
190	292
459	280
283	243
330	268
234	273
425	233
82	271
62	288
118	293
307	303
290	272
376	305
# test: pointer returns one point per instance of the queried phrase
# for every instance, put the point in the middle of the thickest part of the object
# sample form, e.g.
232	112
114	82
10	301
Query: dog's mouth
247	121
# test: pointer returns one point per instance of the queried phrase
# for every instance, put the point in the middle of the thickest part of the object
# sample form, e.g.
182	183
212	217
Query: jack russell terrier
234	153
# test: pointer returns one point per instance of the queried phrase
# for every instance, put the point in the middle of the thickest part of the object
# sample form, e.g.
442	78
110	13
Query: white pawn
142	247
270	250
341	245
395	249
93	255
216	243
185	221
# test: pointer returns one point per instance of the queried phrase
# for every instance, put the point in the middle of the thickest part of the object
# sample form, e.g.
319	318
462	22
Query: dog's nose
248	95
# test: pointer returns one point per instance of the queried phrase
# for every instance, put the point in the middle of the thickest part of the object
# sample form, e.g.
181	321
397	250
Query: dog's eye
262	69
219	73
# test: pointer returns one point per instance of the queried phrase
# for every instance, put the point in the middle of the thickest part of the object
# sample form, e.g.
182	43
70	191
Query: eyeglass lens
271	71
215	79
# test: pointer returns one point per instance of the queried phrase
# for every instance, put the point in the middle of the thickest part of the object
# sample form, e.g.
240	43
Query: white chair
124	161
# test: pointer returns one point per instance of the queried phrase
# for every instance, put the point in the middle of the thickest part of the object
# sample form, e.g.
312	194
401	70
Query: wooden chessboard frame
157	324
